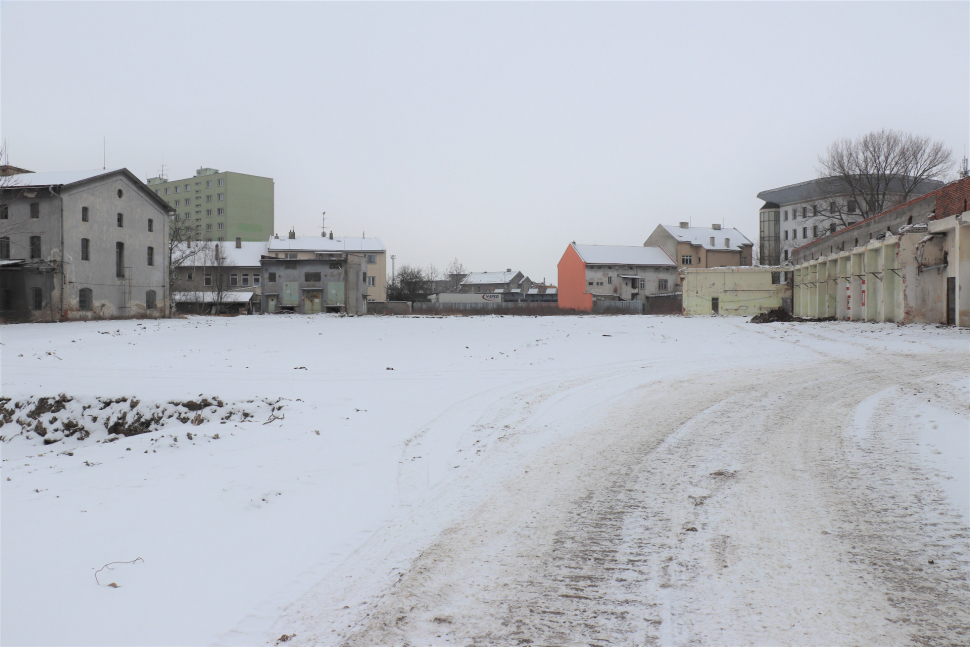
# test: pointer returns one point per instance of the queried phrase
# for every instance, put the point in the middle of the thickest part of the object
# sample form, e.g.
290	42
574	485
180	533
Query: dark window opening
312	277
121	193
831	227
814	231
84	214
120	260
36	299
121	220
35	247
271	277
34	210
85	249
335	266
4	212
852	206
831	207
150	300
84	300
151	255
289	266
5	247
151	225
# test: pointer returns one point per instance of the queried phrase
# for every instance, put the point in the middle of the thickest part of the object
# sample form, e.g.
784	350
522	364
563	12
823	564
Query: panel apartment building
219	206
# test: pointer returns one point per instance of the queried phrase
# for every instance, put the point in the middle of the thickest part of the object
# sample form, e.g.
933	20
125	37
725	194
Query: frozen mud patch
54	419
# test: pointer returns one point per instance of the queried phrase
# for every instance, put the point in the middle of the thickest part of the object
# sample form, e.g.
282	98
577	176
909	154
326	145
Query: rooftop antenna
964	171
323	225
161	173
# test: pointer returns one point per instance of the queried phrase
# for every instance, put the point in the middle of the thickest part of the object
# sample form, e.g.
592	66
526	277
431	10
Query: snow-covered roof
622	255
246	256
547	291
478	278
54	178
321	244
702	236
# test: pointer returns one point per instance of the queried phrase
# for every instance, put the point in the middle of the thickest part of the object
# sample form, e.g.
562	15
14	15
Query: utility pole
323	226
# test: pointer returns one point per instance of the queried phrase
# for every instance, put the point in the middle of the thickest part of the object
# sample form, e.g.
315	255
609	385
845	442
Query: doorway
311	302
715	305
951	301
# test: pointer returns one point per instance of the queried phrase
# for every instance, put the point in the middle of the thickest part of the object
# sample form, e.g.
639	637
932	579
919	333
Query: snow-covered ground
484	480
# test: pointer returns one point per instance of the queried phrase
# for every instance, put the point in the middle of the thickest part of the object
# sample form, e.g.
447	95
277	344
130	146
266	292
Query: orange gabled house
613	273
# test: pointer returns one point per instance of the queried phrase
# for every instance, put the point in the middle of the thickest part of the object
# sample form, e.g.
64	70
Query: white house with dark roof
81	245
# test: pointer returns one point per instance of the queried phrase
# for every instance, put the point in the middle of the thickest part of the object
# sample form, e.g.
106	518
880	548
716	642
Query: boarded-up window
34	210
35	247
312	277
150	300
151	225
271	277
84	299
36	299
5	247
151	255
85	249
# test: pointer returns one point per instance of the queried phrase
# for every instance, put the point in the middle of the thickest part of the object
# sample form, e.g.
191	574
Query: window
245	279
5	247
208	213
221	182
786	214
786	234
187	215
35	210
590	283
831	207
221	196
804	232
208	198
84	214
727	242
221	238
814	210
221	226
786	254
178	217
120	260
151	225
177	203
371	281
255	280
372	258
208	184
312	277
85	249
187	187
35	247
831	227
662	285
36	299
121	220
158	192
814	231
208	226
177	188
207	280
167	191
271	277
4	212
198	227
233	279
150	300
6	299
609	279
151	255
84	299
804	212
220	212
852	206
291	256
188	275
686	259
289	266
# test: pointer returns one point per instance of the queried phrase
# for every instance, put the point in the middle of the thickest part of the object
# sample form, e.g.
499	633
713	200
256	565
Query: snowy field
487	480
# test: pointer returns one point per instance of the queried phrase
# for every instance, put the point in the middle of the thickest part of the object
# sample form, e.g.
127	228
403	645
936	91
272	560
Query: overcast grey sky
492	132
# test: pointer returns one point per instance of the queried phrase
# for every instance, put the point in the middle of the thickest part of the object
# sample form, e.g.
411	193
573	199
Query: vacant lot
494	480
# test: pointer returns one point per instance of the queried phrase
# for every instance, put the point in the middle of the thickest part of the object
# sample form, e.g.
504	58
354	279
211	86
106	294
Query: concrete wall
743	291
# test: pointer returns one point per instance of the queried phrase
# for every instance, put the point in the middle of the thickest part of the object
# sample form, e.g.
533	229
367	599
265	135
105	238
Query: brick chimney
292	234
684	225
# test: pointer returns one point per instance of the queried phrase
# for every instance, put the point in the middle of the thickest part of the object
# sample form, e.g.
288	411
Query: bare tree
214	263
455	273
877	171
411	285
432	275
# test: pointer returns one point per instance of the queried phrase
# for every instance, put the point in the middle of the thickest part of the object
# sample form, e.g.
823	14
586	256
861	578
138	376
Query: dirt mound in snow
779	314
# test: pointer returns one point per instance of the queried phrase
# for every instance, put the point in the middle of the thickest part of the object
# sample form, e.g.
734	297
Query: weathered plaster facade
744	291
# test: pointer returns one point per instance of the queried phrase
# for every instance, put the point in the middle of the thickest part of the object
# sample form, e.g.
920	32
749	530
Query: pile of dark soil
778	314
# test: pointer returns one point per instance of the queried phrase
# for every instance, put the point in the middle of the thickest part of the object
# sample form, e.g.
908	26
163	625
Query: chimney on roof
715	226
292	234
509	269
238	242
331	235
684	225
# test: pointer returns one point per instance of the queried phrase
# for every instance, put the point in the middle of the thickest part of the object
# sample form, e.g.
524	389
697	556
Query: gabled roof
321	244
479	278
622	255
67	178
702	236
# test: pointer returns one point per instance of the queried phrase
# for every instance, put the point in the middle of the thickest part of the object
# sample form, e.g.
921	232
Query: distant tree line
414	283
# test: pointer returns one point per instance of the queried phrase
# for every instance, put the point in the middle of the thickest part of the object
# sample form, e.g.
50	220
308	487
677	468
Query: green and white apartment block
219	206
